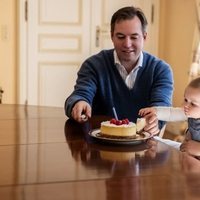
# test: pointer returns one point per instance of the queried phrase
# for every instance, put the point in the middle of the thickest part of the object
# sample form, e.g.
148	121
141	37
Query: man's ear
145	35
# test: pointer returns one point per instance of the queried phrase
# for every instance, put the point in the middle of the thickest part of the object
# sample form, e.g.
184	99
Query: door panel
58	82
56	34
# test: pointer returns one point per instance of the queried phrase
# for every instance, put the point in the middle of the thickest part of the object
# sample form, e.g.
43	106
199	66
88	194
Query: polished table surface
45	156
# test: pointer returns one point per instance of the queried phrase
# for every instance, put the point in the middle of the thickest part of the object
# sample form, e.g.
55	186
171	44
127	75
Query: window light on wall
195	66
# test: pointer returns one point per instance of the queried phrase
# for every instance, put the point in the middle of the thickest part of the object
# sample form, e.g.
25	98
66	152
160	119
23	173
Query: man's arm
162	88
84	91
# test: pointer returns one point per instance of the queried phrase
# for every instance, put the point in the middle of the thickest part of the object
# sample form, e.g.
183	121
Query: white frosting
107	123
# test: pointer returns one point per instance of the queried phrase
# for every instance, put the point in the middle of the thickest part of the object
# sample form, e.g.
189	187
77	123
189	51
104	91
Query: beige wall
8	35
177	27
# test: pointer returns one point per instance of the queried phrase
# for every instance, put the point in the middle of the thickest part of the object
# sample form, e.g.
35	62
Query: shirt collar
118	63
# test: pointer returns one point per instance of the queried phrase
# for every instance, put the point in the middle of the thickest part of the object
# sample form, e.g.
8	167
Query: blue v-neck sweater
100	84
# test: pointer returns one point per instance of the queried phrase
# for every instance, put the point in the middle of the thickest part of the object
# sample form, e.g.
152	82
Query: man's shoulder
102	61
147	57
103	53
104	57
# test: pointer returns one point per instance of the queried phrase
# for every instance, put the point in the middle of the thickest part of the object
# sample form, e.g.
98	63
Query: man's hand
81	111
152	124
145	111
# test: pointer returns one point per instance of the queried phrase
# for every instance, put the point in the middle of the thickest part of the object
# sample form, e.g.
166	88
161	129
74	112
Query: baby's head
191	102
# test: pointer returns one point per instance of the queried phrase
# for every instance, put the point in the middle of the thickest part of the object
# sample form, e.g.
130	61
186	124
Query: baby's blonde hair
195	83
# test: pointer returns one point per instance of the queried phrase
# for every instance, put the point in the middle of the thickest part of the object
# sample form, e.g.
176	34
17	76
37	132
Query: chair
162	131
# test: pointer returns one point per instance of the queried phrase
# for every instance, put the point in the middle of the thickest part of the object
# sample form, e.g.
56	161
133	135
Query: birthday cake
121	128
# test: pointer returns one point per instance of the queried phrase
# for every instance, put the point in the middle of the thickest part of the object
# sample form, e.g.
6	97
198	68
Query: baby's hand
191	146
146	111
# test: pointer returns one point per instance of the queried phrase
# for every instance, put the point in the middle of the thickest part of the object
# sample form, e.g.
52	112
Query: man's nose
127	42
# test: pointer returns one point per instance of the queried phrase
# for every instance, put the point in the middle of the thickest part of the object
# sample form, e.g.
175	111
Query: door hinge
26	10
1	92
152	14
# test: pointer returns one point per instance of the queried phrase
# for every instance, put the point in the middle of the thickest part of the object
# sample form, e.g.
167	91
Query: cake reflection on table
120	156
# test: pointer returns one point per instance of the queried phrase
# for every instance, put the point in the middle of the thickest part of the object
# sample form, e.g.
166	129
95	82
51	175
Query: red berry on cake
123	121
119	122
127	121
113	121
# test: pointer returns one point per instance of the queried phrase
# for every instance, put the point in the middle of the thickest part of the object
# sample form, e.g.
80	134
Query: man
124	78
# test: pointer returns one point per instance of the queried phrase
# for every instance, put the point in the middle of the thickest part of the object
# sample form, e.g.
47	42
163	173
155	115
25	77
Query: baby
190	112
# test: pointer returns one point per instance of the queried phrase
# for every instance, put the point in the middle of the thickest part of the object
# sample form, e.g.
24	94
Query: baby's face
191	102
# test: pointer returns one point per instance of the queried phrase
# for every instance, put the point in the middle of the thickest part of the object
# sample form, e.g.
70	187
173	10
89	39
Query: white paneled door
56	36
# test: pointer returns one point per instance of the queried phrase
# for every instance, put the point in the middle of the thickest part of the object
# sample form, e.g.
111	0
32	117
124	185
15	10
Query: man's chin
129	58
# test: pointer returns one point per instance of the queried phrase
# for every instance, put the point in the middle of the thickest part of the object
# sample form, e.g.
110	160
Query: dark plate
138	140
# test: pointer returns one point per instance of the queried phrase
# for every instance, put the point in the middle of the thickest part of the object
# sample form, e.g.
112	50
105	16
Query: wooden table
44	156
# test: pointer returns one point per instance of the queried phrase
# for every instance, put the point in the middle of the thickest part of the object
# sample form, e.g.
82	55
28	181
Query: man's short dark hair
127	13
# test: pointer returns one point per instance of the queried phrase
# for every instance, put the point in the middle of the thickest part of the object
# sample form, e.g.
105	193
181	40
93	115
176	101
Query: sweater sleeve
162	90
85	87
161	79
170	114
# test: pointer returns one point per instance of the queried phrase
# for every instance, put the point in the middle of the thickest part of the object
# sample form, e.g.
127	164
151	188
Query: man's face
191	102
128	40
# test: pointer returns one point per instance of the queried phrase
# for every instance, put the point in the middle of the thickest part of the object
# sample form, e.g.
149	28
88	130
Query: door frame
22	52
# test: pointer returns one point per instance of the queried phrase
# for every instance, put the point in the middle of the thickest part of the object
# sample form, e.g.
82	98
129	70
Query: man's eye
120	37
134	37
